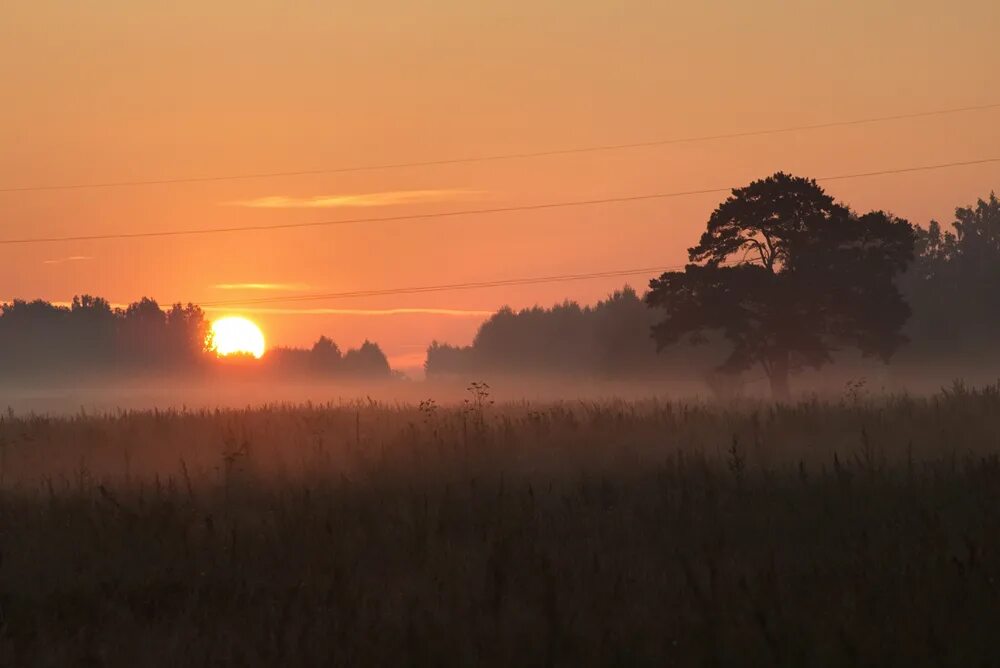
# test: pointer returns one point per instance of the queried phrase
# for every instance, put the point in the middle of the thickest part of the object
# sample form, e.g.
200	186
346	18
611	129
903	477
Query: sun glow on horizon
235	335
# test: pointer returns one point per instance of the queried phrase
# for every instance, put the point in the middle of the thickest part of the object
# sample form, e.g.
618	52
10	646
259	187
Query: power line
562	278
356	221
462	212
504	156
559	278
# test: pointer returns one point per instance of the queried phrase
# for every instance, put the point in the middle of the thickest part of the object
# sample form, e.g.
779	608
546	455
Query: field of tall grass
858	531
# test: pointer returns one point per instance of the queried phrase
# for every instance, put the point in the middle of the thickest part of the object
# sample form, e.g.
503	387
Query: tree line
90	338
783	278
610	339
325	360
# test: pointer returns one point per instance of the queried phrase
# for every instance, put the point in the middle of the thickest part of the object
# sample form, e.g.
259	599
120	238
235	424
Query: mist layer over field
96	395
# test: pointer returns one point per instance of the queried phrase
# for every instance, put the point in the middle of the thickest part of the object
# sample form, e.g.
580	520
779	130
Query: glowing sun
235	335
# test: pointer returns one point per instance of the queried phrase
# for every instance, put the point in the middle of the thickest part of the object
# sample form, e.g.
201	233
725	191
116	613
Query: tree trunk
777	373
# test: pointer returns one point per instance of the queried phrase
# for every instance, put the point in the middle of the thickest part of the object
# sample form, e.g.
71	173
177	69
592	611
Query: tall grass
864	531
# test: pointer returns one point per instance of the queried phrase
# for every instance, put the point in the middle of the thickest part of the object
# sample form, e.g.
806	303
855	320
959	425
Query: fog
831	384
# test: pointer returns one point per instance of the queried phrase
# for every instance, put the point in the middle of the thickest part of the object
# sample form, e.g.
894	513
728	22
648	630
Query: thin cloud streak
455	313
71	258
361	200
262	286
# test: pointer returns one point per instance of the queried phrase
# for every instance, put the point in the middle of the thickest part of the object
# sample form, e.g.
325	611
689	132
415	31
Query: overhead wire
463	212
502	156
468	285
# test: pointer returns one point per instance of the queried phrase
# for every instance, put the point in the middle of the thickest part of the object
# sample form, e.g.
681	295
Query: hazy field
855	531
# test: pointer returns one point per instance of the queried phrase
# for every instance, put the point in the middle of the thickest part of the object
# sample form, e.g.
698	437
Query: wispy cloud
455	313
390	198
71	258
262	286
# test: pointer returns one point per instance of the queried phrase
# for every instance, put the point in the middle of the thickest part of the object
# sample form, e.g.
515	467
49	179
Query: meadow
855	530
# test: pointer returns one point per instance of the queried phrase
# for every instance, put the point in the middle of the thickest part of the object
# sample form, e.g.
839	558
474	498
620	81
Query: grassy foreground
859	532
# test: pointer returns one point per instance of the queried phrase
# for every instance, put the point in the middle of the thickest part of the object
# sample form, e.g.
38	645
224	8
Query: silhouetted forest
949	291
610	339
91	338
325	359
953	286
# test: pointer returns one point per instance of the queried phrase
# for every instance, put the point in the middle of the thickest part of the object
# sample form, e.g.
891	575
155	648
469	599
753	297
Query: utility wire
462	212
356	221
563	278
537	280
504	156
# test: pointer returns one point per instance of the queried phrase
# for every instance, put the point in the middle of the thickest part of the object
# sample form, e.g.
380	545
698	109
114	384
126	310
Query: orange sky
119	90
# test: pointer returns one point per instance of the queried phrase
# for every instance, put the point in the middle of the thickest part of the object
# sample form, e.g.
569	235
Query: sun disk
235	335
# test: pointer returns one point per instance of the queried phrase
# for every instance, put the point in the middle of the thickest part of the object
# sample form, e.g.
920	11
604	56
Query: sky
118	90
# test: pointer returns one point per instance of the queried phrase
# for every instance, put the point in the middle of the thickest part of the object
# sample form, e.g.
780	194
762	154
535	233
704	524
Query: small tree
788	275
325	356
367	361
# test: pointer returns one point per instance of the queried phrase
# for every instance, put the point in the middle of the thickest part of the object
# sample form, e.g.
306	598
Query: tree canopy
954	283
788	276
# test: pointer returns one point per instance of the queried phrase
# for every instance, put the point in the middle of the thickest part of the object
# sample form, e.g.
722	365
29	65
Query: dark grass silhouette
860	531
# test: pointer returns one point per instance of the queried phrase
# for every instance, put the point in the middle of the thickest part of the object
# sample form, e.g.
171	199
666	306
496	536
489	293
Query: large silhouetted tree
788	276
